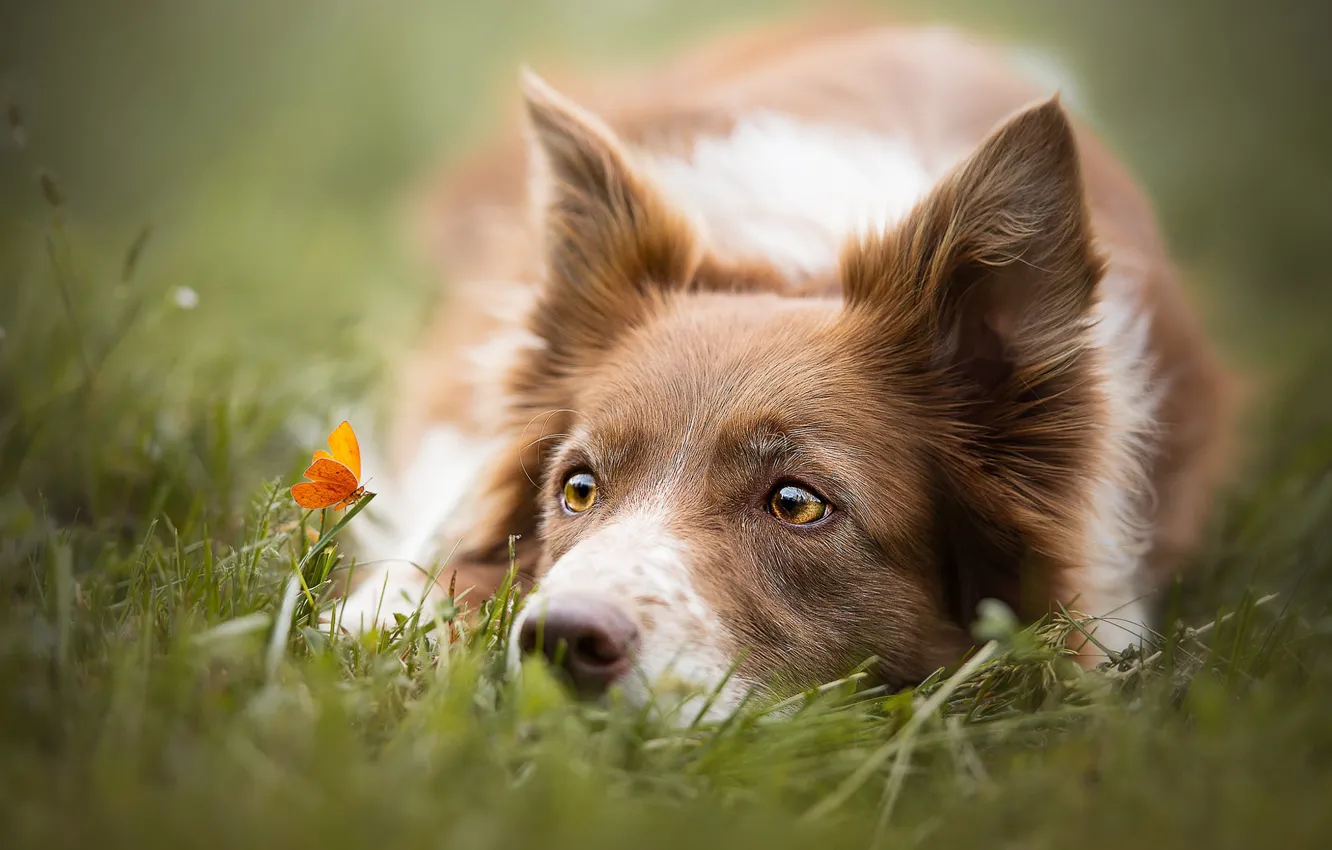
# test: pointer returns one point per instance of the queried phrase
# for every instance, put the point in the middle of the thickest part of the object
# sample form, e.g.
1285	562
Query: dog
785	357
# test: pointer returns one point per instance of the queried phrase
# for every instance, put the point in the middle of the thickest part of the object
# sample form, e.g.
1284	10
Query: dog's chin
662	695
682	703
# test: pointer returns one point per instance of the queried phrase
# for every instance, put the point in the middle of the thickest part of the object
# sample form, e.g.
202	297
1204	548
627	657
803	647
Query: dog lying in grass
786	357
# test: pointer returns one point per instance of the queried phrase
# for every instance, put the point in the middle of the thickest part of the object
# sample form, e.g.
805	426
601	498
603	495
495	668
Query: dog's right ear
611	247
610	241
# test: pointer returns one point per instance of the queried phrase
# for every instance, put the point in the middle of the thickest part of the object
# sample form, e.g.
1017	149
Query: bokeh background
270	145
205	207
206	214
273	152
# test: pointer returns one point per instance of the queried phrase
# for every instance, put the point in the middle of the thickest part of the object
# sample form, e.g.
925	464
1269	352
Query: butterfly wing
330	483
346	450
314	495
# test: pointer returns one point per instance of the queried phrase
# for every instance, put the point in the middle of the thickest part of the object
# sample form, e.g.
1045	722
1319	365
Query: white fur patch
790	191
490	360
1119	534
636	564
398	539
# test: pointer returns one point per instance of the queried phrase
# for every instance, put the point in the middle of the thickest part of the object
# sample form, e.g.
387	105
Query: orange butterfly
335	479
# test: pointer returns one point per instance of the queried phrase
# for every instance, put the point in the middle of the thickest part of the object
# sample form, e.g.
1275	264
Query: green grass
163	676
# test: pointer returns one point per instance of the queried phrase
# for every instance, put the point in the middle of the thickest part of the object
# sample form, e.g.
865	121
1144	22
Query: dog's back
777	150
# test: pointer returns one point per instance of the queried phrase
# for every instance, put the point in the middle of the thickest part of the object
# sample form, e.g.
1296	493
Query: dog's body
836	274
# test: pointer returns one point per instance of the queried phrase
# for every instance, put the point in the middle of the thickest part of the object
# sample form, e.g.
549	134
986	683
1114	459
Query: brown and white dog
789	355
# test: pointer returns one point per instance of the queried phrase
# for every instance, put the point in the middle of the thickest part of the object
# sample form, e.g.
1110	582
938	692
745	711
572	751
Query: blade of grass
902	741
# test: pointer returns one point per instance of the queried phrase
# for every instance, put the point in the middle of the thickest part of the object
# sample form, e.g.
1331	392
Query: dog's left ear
611	246
995	269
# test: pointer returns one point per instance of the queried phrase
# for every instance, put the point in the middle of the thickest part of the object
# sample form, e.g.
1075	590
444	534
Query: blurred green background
274	148
272	152
269	143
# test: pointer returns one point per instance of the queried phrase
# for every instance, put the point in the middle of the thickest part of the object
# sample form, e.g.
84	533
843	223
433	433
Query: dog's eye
795	505
580	492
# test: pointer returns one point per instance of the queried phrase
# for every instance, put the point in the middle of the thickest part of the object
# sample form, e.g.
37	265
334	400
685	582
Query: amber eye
793	504
580	492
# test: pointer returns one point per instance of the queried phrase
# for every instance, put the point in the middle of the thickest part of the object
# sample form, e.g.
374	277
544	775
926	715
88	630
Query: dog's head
729	486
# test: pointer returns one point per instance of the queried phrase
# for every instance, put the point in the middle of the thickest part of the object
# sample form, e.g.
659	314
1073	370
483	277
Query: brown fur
938	390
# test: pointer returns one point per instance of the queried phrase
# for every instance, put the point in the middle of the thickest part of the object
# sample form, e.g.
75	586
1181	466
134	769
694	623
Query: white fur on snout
636	564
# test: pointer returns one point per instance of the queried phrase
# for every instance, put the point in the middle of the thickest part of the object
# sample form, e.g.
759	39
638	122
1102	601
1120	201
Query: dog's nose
589	639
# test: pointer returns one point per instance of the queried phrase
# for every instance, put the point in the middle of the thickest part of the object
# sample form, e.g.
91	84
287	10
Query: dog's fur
872	261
